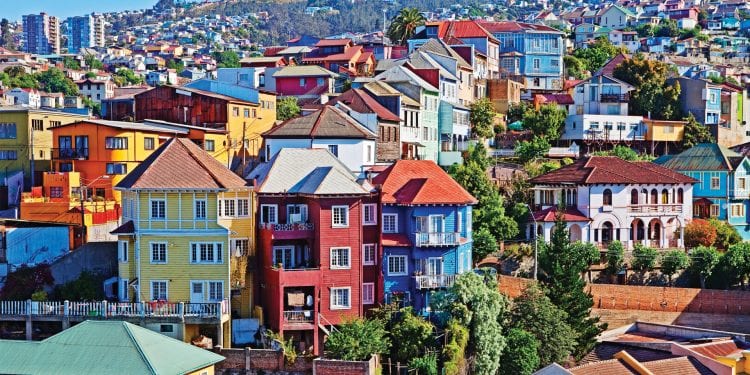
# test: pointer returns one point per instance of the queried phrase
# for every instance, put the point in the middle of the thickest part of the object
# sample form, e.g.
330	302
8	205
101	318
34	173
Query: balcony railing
303	316
434	281
288	227
741	193
70	153
106	309
655	209
614	98
437	239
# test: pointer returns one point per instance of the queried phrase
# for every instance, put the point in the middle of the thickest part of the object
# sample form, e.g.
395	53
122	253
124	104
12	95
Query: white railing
437	239
409	134
115	309
741	193
434	281
288	227
655	209
302	316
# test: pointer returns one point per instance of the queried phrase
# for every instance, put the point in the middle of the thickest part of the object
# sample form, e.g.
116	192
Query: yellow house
179	239
662	132
26	139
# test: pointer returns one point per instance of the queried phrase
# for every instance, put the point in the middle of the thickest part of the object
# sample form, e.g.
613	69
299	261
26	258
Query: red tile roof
420	182
181	164
561	99
717	349
549	215
677	366
466	29
612	170
395	239
609	367
359	101
333	42
609	68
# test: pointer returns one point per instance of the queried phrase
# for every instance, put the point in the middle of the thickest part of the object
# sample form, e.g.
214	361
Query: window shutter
193	253
218	253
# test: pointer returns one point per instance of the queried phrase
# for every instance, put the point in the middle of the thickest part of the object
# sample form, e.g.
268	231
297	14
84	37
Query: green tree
615	257
357	340
596	54
533	312
25	281
482	117
54	80
738	259
404	25
547	122
96	108
520	356
412	334
177	65
574	67
652	95
703	260
726	234
454	352
645	30
92	62
644	258
695	133
561	264
667	28
516	112
428	364
87	287
71	63
536	148
672	262
124	77
622	152
287	108
483	244
227	59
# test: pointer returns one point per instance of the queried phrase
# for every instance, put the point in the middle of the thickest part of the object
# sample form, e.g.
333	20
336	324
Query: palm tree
403	26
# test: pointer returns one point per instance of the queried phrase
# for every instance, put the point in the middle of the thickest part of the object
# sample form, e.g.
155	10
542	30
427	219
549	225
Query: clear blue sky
14	9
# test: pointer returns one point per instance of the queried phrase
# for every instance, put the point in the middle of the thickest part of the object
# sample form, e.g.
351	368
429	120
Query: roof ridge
143	355
203	165
594	168
316	124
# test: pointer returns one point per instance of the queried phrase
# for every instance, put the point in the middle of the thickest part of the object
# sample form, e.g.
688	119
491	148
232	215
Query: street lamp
83	211
536	241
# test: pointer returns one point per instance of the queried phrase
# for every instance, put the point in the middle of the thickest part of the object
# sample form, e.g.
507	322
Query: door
196	292
437	227
284	256
434	266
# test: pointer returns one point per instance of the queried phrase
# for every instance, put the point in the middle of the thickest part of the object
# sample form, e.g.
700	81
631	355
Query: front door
435	266
196	292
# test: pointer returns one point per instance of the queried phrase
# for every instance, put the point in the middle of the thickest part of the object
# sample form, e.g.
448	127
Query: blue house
701	98
426	231
724	186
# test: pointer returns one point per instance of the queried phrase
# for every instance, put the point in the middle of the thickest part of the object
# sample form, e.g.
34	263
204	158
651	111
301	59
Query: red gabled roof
612	170
609	68
333	42
561	99
466	29
273	50
420	182
550	214
359	101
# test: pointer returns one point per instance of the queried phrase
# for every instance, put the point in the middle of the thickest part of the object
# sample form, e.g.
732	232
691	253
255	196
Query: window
368	254
320	81
664	196
679	195
536	63
714	210
124	290
334	149
8	155
268	214
340	298
206	252
296	213
227	207
37	125
634	196
236	111
53	124
166	328
607	197
302	82
255	113
555	43
555	62
148	143
56	192
368	151
715	184
122	251
209	145
247	112
741	185
116	143
459	222
654	196
215	291
368	293
66	167
158	209
117	168
158	252
669	129
200	208
369	214
340	258
239	246
243	207
594	125
8	130
738	209
340	216
390	223
397	265
159	290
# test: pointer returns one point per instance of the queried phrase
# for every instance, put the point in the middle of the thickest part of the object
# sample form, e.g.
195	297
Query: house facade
648	205
96	90
426	231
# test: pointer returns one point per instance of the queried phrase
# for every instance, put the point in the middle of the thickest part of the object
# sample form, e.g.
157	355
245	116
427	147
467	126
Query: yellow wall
204	371
252	127
656	131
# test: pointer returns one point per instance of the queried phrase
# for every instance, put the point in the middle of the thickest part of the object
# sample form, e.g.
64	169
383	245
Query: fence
114	309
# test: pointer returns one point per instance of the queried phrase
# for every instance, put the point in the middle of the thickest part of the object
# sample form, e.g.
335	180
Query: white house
328	128
607	199
25	97
616	17
96	90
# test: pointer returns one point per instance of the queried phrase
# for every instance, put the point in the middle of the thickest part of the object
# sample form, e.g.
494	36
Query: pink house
304	81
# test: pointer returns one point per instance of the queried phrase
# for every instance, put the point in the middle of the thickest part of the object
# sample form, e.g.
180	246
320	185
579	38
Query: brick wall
254	361
334	367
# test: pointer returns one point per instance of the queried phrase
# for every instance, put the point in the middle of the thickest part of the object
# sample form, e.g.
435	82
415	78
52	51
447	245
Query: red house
317	244
304	82
341	55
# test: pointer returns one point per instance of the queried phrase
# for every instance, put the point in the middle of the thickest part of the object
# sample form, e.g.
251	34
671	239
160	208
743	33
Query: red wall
290	86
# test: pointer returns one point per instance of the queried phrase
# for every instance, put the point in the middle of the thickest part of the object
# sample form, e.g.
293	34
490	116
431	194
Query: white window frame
151	252
345	216
335	265
302	211
459	222
151	209
217	252
368	293
124	295
334	306
242	207
196	204
233	245
166	289
227	207
207	290
395	223
714	210
122	251
369	261
718	183
373	219
405	272
275	208
741	209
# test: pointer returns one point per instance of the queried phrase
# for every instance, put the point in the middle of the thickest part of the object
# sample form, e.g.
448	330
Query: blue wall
36	245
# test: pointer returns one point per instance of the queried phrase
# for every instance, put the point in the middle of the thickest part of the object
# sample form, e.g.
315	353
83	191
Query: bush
726	234
357	340
454	353
699	232
673	261
413	335
25	281
520	356
425	365
644	258
615	257
87	287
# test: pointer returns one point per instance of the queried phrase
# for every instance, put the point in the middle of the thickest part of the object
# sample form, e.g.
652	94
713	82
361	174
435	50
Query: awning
414	144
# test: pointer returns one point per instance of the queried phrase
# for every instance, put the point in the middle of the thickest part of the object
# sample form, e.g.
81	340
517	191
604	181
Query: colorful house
317	244
426	231
341	56
306	82
178	242
723	187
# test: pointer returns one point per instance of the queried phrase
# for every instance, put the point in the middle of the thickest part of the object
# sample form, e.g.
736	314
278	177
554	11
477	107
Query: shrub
699	232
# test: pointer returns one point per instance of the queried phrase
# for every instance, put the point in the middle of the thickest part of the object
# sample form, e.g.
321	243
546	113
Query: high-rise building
41	34
84	32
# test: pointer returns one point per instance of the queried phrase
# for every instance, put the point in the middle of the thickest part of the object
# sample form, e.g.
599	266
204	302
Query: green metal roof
104	347
702	157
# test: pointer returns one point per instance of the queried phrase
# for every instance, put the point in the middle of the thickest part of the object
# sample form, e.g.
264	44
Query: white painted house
328	128
608	199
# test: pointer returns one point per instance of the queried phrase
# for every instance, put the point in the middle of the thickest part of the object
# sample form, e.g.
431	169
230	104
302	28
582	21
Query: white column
663	239
681	241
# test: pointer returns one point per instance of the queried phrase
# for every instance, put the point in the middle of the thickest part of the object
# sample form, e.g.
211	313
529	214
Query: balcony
299	316
614	98
740	193
437	239
434	281
70	153
287	227
655	209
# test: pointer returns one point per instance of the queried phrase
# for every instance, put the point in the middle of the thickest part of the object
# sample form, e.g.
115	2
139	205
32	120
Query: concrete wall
266	361
100	258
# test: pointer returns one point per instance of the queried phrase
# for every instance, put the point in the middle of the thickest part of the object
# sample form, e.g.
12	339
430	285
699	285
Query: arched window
664	196
607	197
679	195
634	196
654	196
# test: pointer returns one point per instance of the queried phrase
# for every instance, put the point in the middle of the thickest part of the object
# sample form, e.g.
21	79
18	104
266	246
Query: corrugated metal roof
701	157
104	347
146	127
328	122
304	71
